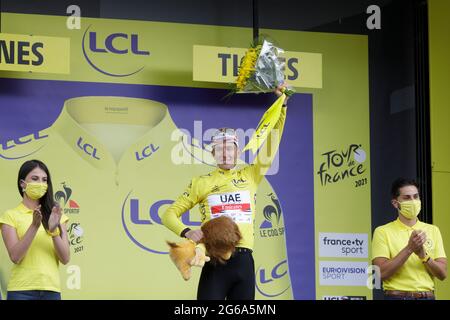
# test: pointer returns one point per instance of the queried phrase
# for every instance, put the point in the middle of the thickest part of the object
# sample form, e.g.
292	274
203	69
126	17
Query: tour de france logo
348	163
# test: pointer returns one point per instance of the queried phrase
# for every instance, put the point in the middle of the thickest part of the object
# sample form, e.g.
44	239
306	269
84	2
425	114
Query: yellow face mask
35	190
410	209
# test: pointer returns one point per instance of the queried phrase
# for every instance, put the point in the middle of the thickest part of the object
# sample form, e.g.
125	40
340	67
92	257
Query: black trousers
234	280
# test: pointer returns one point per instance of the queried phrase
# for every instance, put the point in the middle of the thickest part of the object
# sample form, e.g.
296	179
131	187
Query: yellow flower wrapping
266	124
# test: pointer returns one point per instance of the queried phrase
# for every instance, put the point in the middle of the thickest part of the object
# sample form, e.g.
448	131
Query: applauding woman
35	236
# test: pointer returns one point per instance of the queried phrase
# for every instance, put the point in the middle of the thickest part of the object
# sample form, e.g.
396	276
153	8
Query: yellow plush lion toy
220	236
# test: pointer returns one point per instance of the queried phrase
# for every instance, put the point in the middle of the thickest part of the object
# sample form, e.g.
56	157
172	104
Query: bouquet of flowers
262	70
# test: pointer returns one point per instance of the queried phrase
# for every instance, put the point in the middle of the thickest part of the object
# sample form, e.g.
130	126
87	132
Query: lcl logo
110	47
23	140
87	148
267	277
118	44
16	143
142	223
146	152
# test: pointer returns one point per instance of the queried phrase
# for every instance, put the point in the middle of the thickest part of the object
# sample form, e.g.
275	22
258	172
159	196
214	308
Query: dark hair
400	183
46	201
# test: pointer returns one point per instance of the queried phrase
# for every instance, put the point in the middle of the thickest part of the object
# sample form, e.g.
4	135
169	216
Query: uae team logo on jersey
64	198
235	205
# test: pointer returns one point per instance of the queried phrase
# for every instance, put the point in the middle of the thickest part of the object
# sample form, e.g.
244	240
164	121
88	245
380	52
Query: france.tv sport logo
343	245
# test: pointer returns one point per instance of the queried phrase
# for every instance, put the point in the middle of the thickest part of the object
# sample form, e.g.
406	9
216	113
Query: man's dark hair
400	183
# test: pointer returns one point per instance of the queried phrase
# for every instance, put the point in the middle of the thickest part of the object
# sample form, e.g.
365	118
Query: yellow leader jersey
117	163
228	192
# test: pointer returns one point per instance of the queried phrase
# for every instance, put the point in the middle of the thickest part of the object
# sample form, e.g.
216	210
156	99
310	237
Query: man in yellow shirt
229	191
409	253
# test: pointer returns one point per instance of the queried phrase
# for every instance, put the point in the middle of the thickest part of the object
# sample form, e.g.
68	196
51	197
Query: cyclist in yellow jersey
35	237
227	191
